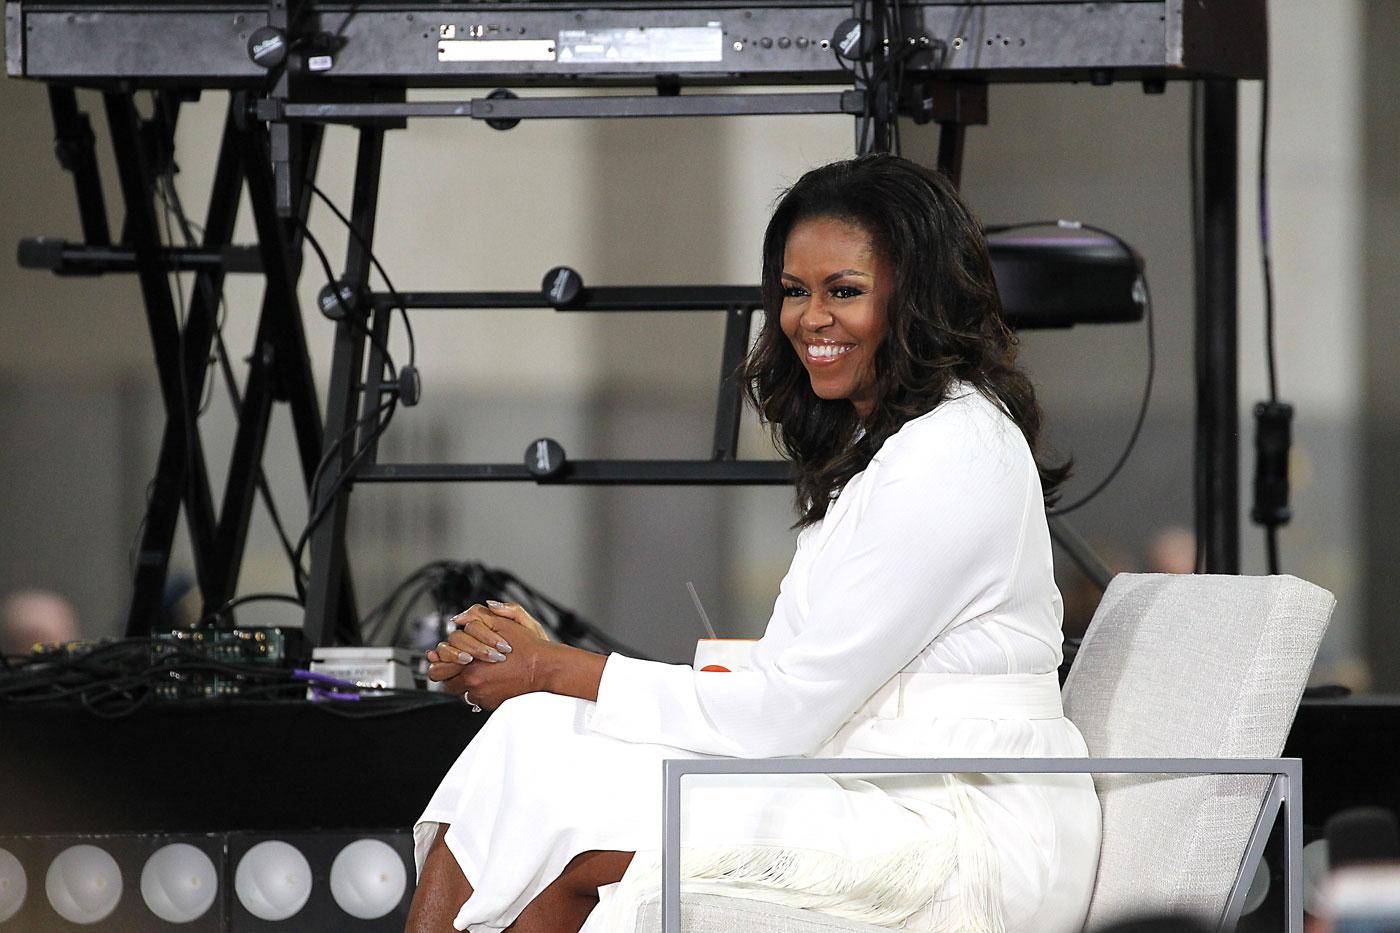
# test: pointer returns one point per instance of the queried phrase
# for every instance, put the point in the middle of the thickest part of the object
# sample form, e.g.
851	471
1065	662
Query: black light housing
1059	279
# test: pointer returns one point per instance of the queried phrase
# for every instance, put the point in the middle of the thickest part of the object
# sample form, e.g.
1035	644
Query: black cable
1266	259
1151	354
863	66
382	415
349	15
114	679
1193	155
387	411
410	590
1264	241
234	603
897	53
454	586
349	314
374	260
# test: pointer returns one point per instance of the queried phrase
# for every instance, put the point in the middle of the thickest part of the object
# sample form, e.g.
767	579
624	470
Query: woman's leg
565	904
442	890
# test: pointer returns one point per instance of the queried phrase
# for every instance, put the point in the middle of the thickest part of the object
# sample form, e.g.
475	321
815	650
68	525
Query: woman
919	618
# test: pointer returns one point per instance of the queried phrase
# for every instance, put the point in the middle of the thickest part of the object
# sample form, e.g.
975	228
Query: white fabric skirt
536	787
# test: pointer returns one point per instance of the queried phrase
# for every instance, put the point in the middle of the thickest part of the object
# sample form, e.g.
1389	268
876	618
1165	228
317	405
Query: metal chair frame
1285	791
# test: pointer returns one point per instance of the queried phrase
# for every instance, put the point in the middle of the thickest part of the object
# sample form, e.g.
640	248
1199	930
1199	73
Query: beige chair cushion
1187	666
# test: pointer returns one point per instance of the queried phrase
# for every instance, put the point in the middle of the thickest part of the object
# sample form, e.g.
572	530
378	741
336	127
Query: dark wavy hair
945	324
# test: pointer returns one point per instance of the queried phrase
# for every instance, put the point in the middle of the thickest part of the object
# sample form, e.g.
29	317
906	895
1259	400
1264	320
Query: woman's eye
792	291
845	291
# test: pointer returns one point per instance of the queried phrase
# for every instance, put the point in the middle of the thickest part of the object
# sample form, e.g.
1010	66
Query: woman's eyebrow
833	277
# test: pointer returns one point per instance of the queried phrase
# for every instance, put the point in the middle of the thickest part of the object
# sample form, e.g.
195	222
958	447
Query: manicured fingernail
464	658
495	604
504	647
496	656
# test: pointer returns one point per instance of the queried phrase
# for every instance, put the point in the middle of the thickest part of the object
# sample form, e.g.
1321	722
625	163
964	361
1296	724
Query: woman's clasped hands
492	656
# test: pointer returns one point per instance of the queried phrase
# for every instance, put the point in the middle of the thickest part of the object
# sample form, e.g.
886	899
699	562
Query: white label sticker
496	50
663	44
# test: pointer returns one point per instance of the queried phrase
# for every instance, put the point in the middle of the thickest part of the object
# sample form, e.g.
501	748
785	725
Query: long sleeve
926	538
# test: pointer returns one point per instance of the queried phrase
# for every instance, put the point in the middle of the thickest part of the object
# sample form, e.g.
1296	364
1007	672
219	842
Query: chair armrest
1285	789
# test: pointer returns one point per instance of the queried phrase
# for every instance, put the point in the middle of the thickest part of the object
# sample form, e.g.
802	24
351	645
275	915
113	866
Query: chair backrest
1187	666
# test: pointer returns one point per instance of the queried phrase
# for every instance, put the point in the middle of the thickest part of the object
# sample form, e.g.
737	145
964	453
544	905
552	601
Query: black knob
338	301
545	458
267	46
410	385
502	123
851	41
562	286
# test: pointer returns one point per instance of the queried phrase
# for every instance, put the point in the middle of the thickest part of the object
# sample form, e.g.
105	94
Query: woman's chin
829	392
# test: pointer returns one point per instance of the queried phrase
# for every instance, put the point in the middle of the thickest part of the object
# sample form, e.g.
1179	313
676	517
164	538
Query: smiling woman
881	259
838	323
919	618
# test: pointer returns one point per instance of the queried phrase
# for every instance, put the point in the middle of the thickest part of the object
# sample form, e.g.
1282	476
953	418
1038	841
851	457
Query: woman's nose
815	315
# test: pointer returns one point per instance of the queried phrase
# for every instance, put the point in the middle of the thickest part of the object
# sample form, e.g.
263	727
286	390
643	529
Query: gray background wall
685	201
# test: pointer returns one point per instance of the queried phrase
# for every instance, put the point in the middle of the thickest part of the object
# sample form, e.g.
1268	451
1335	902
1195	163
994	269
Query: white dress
920	618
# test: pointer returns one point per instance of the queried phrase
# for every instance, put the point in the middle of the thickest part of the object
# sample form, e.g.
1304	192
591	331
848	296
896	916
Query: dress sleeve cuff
631	697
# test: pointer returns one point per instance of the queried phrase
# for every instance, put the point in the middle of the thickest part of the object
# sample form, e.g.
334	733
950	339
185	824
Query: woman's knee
441	868
589	871
442	889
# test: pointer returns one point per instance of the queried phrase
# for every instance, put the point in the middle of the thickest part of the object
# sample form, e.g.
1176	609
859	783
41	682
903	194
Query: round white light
179	883
273	880
84	884
1258	888
1316	859
13	885
368	879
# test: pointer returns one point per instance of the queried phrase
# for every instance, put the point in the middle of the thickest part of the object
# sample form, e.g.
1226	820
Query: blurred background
685	201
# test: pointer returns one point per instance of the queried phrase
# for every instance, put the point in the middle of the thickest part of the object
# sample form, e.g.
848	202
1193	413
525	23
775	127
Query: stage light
179	883
13	885
1060	278
273	880
368	879
1259	887
1316	860
84	884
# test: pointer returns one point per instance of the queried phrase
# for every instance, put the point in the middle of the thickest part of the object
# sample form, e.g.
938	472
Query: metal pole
1293	843
1217	352
323	598
671	847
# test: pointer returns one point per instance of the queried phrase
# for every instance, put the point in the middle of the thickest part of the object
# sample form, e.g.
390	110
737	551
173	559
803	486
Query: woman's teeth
828	351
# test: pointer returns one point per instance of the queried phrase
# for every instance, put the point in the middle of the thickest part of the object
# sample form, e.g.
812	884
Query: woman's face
836	288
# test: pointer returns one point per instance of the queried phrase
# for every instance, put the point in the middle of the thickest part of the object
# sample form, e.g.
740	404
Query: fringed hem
926	886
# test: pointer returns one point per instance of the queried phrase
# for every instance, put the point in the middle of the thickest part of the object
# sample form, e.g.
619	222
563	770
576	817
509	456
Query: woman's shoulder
967	442
967	423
